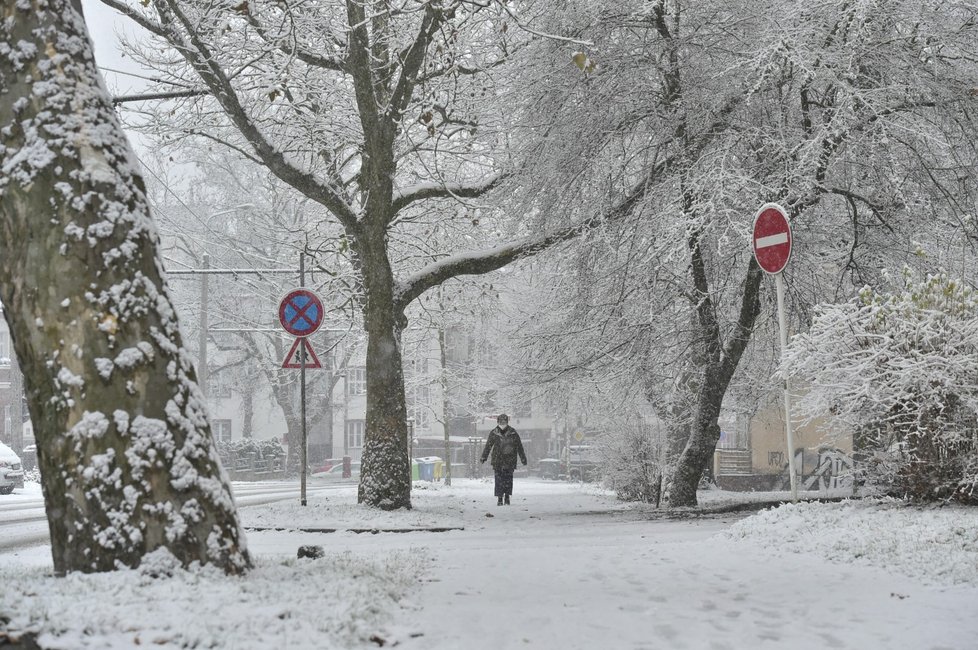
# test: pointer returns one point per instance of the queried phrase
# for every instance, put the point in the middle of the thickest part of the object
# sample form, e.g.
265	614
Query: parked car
11	471
550	468
326	465
584	463
335	473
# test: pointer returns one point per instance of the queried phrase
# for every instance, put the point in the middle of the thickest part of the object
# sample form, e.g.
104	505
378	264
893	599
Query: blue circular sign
301	312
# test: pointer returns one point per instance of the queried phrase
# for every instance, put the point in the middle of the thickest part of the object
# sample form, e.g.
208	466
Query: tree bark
720	364
128	465
385	473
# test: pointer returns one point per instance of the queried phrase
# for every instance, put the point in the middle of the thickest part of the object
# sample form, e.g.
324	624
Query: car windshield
8	453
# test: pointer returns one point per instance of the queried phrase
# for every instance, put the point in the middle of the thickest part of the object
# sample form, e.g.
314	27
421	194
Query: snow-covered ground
566	566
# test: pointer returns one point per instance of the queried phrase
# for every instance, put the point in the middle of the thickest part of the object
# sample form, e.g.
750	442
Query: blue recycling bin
426	469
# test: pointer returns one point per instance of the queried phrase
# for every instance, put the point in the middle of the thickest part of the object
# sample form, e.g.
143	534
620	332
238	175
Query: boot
507	499
499	501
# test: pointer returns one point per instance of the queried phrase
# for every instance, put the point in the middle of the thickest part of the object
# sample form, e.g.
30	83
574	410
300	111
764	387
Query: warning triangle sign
294	358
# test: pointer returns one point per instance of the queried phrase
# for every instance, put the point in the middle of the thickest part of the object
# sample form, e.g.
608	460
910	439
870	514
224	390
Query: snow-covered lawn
566	566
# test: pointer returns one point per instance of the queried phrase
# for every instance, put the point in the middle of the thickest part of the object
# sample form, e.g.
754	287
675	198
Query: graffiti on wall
827	469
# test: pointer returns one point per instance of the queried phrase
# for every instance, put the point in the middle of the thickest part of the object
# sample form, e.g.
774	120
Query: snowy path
567	567
539	575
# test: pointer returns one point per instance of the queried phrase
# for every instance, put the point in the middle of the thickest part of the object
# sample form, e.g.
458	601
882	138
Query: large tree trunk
385	472
720	365
127	462
704	435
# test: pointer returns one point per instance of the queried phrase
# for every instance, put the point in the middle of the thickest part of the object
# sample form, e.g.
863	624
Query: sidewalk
574	570
565	567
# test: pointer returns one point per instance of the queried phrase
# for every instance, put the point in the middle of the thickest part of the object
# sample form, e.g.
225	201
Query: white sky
105	27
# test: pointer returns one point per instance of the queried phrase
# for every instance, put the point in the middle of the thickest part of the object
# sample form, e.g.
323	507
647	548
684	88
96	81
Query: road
23	522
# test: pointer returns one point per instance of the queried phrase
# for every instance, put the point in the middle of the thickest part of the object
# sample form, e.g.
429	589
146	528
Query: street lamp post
410	427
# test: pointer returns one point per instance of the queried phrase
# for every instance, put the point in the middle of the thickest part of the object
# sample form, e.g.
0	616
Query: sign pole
783	327
302	392
301	313
772	243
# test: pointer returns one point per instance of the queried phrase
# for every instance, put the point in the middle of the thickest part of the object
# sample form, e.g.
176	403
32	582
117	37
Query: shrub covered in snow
900	370
261	448
633	463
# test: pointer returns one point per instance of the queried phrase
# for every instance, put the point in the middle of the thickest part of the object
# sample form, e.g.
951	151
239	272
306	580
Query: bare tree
127	461
373	109
850	116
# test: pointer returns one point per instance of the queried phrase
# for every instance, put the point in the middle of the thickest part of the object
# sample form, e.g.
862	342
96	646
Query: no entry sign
772	238
300	312
772	248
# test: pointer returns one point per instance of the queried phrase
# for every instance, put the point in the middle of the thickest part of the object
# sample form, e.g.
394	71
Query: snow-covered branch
408	195
192	47
479	262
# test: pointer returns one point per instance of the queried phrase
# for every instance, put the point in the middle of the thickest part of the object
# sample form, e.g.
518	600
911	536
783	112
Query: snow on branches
900	370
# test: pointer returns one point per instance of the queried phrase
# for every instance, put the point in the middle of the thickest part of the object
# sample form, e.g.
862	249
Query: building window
356	381
4	349
219	386
456	346
418	367
354	434
222	430
419	408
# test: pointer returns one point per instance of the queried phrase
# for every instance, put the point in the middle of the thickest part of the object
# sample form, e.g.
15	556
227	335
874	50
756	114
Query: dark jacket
505	446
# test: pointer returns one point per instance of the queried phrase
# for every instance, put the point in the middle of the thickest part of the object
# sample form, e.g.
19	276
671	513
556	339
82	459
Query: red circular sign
772	238
300	312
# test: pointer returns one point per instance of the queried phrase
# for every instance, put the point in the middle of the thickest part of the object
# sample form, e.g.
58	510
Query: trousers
504	482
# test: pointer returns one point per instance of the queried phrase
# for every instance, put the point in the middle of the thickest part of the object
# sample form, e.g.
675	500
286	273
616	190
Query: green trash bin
414	470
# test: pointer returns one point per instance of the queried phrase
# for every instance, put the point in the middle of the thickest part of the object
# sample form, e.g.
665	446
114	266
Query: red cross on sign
300	312
772	238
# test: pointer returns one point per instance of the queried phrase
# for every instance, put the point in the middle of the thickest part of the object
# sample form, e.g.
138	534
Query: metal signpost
301	313
772	249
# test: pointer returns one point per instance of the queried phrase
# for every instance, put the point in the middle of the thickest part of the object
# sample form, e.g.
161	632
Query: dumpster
439	469
426	469
414	469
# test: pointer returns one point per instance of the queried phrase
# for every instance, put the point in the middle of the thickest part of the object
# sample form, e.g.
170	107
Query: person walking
505	444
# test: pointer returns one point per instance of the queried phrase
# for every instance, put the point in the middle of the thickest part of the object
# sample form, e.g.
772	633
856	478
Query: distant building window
219	386
4	349
356	381
523	408
418	367
486	355
222	430
456	346
419	407
354	434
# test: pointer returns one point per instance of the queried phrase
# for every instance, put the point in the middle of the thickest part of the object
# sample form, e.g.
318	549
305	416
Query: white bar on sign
771	240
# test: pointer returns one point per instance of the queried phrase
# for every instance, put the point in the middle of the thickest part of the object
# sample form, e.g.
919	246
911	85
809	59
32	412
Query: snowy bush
249	454
899	370
633	463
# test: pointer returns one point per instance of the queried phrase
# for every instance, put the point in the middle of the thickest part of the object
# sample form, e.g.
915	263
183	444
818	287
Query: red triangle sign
294	358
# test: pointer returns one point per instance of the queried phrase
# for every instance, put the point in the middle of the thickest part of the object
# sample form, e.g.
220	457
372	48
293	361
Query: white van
11	471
